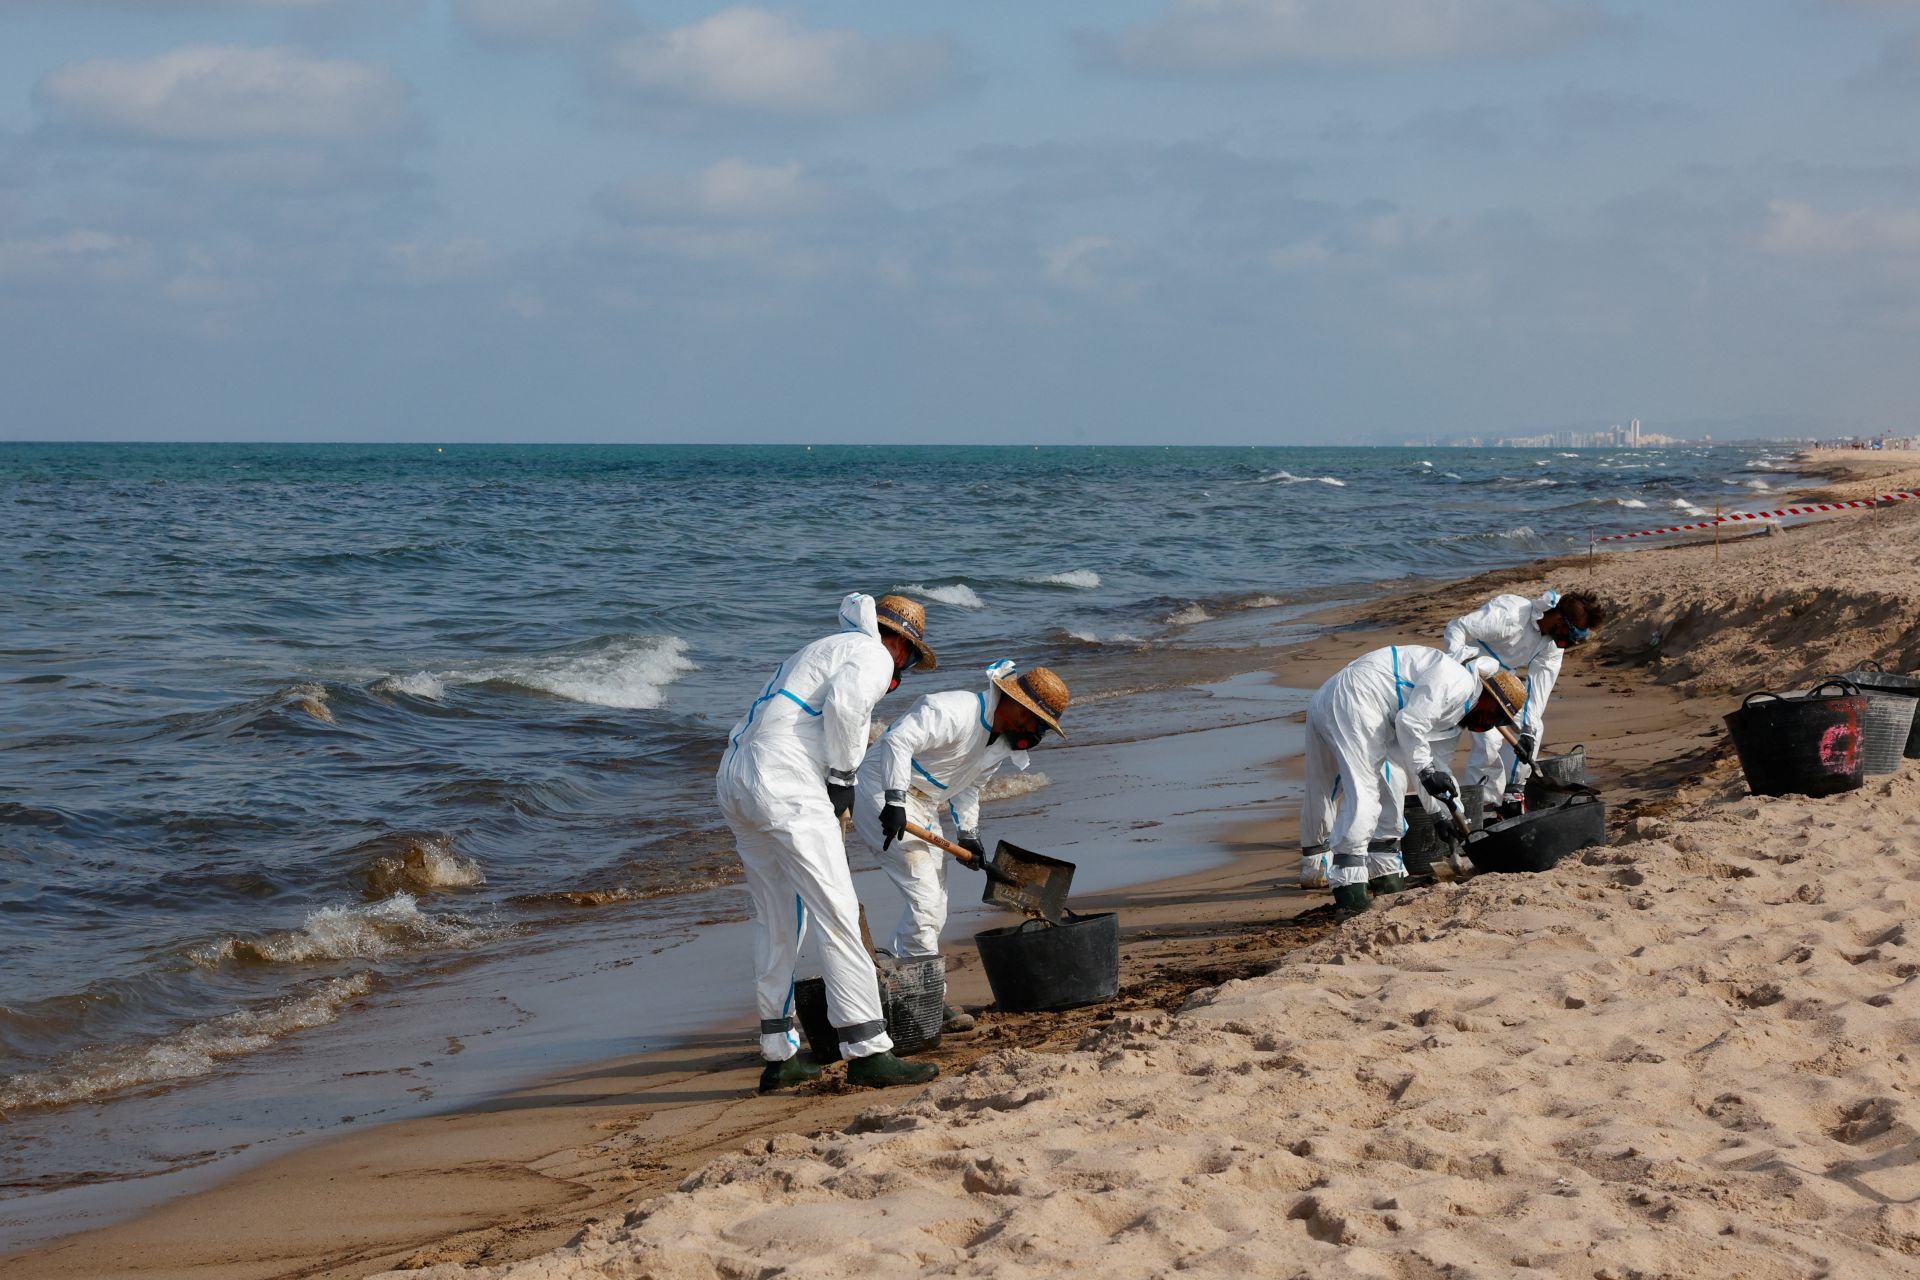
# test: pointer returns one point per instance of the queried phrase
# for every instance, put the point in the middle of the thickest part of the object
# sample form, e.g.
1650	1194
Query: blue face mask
1576	635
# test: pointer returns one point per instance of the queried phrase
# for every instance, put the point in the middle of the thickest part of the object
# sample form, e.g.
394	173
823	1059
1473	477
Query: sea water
289	733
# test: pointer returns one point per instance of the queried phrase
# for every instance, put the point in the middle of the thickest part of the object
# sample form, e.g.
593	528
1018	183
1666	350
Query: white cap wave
1078	579
957	594
629	672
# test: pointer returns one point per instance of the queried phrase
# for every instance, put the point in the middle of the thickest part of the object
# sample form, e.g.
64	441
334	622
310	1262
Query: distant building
1630	436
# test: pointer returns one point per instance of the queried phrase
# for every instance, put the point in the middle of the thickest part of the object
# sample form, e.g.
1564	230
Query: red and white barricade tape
1735	516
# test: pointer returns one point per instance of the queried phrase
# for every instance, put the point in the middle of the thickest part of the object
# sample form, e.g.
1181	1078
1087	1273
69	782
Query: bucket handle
1870	665
1847	688
1753	697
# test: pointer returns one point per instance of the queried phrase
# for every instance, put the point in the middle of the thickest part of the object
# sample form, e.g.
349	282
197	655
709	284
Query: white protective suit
812	716
1371	729
1504	635
939	755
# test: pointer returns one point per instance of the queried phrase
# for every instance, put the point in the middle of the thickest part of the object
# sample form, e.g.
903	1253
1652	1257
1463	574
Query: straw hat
908	620
1039	691
1509	695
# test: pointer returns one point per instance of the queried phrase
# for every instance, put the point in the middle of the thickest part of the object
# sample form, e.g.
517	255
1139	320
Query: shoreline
693	1090
1173	927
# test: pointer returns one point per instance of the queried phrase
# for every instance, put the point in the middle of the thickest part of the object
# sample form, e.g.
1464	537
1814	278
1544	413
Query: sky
1129	222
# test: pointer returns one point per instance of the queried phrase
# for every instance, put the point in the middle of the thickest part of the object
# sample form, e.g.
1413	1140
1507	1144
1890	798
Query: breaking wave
1287	477
1090	638
629	672
1078	579
1521	534
423	862
195	1051
1007	785
1188	616
391	927
957	594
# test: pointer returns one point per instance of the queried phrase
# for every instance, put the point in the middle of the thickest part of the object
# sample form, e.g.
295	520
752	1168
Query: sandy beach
1685	1053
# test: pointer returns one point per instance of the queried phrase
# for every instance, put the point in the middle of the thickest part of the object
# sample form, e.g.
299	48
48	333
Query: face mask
1576	635
913	660
1025	741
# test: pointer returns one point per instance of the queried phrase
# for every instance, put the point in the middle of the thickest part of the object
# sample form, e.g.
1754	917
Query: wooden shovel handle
964	854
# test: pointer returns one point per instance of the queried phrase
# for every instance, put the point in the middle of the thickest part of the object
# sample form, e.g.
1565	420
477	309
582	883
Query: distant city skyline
1141	221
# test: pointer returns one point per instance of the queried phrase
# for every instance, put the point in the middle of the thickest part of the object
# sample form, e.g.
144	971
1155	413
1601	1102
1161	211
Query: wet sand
1213	961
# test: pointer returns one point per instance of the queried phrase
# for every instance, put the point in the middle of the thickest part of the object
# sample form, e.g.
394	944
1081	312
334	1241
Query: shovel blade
1033	883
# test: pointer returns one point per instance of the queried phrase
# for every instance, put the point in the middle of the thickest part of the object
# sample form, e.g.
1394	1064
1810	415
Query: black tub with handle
1808	745
1536	841
1872	679
1035	966
1554	776
912	995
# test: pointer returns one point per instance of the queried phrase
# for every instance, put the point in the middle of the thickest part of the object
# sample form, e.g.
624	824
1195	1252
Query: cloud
79	254
726	190
538	22
447	261
1250	37
228	94
750	61
1799	230
1898	66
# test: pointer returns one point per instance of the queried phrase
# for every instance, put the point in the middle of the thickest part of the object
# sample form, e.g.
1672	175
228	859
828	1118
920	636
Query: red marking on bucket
1839	748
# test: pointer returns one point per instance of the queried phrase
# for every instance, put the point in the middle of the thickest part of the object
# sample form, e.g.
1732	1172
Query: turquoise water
283	726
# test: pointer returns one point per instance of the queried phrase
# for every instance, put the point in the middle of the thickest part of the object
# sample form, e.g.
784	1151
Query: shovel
965	855
1039	887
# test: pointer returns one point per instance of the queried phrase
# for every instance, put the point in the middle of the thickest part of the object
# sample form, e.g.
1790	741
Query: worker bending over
1525	637
1371	729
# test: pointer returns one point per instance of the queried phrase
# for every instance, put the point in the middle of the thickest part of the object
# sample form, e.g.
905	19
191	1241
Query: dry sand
1685	1054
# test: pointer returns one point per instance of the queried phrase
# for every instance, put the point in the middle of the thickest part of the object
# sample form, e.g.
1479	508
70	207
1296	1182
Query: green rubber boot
785	1075
880	1070
1350	899
1380	886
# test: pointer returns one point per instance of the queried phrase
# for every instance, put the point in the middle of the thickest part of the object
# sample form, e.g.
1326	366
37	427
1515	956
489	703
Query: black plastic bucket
1871	679
1422	843
1554	775
1809	745
912	992
1034	966
1536	841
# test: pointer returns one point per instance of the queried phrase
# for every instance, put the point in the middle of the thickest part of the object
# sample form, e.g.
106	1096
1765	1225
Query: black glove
893	818
1528	749
1439	784
970	841
840	791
